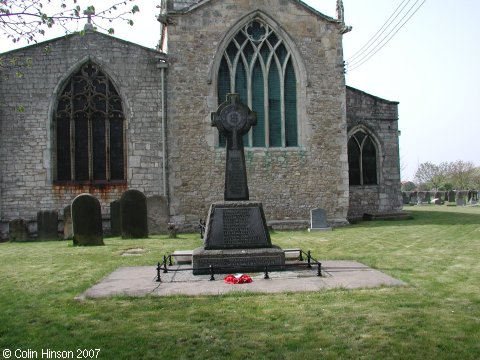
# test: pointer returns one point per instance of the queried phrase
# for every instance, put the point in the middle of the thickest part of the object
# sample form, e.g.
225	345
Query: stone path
141	281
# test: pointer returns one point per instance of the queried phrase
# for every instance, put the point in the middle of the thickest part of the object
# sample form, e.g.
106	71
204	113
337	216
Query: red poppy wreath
237	279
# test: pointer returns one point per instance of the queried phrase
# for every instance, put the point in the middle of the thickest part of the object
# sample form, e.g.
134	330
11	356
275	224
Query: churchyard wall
289	181
379	118
28	183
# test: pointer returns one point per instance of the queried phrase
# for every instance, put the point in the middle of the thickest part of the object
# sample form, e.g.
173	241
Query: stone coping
141	281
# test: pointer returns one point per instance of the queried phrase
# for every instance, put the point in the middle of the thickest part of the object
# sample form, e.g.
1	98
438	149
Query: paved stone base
237	260
141	281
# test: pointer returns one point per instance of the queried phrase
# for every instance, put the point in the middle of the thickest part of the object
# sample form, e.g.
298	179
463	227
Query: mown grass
436	316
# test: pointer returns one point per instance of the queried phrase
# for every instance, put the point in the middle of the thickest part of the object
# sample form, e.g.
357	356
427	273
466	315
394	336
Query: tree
408	186
462	174
432	176
27	19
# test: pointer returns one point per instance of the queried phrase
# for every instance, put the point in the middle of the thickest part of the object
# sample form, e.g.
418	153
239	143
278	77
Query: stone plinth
236	240
237	260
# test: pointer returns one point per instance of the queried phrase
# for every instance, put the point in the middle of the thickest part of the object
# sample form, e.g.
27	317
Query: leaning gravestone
18	230
318	220
47	225
87	221
115	219
157	213
133	215
67	223
236	234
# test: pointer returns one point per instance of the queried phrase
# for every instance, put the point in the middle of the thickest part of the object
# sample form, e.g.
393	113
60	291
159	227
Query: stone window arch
258	65
89	125
362	159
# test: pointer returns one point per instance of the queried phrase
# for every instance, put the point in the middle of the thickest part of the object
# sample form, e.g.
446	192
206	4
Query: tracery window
89	129
259	67
362	159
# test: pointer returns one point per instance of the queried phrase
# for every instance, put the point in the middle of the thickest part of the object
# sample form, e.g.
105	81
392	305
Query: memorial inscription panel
236	228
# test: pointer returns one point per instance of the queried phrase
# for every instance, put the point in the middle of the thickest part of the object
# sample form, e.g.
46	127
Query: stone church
101	115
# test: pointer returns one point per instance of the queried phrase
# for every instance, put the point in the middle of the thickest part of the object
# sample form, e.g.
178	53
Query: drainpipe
163	66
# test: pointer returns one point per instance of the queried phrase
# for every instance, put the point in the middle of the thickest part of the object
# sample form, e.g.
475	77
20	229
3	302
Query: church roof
184	6
78	34
376	98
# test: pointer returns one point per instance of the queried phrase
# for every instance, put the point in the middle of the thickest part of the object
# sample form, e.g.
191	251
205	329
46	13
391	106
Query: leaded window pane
274	107
291	133
362	159
369	162
258	105
353	161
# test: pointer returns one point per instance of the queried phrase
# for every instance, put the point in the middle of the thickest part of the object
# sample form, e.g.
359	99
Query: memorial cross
233	119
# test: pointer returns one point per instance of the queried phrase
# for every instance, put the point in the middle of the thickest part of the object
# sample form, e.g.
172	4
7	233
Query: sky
430	66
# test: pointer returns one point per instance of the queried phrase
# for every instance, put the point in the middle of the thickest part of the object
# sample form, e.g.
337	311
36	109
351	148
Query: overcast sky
430	66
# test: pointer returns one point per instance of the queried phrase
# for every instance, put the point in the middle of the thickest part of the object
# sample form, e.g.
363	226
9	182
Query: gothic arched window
362	159
89	129
257	65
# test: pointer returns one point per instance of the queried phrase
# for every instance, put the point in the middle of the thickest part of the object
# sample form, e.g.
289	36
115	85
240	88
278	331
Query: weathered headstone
18	230
460	198
115	218
414	198
474	198
47	225
318	220
405	198
67	223
428	197
236	234
133	214
157	212
451	196
420	198
87	221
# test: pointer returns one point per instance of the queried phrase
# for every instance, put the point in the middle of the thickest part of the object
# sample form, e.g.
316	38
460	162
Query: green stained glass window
258	65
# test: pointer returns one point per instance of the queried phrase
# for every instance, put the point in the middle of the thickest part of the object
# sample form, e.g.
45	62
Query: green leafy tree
431	176
408	186
462	174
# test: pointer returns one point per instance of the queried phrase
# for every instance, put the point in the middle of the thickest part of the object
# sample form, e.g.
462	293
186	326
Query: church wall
289	181
380	118
27	183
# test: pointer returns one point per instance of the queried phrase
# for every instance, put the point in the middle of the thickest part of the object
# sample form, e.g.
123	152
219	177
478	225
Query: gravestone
236	234
474	198
451	196
437	198
413	198
405	198
115	219
133	215
157	214
420	198
318	220
18	230
87	221
47	225
67	223
460	198
428	197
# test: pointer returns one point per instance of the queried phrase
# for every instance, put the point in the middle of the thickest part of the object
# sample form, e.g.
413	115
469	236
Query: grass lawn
437	316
